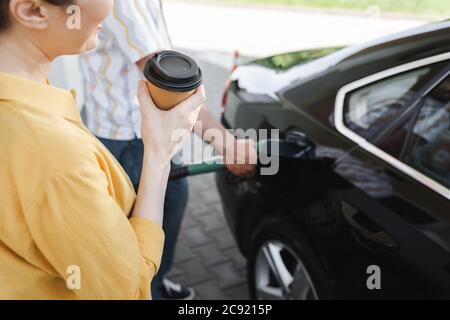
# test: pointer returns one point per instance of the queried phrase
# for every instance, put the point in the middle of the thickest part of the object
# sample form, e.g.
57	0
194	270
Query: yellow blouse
65	202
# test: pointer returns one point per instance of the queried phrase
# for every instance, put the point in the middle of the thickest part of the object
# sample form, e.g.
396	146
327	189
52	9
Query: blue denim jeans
130	155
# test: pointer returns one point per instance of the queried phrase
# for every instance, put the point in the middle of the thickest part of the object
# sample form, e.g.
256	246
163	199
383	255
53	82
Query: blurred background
212	31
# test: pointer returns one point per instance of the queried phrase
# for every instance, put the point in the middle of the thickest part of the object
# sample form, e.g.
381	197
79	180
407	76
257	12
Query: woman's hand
163	132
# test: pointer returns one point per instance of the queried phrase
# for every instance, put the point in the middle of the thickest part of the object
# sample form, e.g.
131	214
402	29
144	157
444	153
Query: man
136	30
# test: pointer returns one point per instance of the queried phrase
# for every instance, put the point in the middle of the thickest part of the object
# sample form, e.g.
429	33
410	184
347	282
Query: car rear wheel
281	266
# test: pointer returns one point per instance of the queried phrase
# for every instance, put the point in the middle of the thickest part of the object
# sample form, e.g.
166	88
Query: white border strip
363	143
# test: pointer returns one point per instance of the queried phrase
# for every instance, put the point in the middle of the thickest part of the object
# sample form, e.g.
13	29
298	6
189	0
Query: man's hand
240	157
242	160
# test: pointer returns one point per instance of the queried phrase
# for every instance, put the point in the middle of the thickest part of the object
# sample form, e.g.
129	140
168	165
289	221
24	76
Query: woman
71	225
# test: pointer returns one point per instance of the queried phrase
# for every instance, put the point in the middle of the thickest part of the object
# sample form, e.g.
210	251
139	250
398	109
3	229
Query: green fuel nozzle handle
211	165
214	164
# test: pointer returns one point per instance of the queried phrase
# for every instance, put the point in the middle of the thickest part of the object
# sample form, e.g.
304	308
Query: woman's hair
4	11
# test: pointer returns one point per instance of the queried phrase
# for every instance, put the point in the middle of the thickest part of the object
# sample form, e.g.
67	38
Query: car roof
431	39
325	76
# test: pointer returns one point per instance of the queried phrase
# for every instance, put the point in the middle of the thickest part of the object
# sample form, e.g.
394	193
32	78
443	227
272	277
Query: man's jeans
130	155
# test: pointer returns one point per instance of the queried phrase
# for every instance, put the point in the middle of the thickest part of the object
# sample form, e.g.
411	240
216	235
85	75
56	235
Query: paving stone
197	236
177	278
195	273
239	292
190	222
227	275
210	290
210	196
197	207
200	184
210	255
213	221
223	238
175	272
183	252
240	263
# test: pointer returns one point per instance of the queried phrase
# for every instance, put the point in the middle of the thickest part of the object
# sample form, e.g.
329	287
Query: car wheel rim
280	274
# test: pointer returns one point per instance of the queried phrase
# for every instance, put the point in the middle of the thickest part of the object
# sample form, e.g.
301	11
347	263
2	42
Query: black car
367	214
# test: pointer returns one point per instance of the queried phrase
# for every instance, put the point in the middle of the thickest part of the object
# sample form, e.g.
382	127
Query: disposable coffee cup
172	78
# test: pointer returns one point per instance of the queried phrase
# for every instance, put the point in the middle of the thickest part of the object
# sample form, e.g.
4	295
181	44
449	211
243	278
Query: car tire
277	245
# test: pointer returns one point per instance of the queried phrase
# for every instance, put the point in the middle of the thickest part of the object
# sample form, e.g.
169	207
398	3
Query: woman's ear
32	14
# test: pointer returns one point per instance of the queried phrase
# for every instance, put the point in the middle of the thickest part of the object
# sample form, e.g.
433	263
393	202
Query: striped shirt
135	29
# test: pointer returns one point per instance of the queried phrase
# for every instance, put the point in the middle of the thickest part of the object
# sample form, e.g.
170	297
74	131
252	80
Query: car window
370	109
429	148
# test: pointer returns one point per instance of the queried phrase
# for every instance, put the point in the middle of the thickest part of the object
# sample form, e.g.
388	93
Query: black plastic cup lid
173	71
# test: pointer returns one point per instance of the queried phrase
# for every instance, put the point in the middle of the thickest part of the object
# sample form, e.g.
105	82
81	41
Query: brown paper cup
167	100
172	78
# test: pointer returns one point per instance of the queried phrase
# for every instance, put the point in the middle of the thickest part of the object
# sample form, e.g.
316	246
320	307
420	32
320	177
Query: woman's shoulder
42	136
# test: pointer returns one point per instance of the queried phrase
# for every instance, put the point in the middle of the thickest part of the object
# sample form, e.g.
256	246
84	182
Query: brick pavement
207	257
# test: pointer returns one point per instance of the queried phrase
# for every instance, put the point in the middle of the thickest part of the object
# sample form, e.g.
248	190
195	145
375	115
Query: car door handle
366	227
